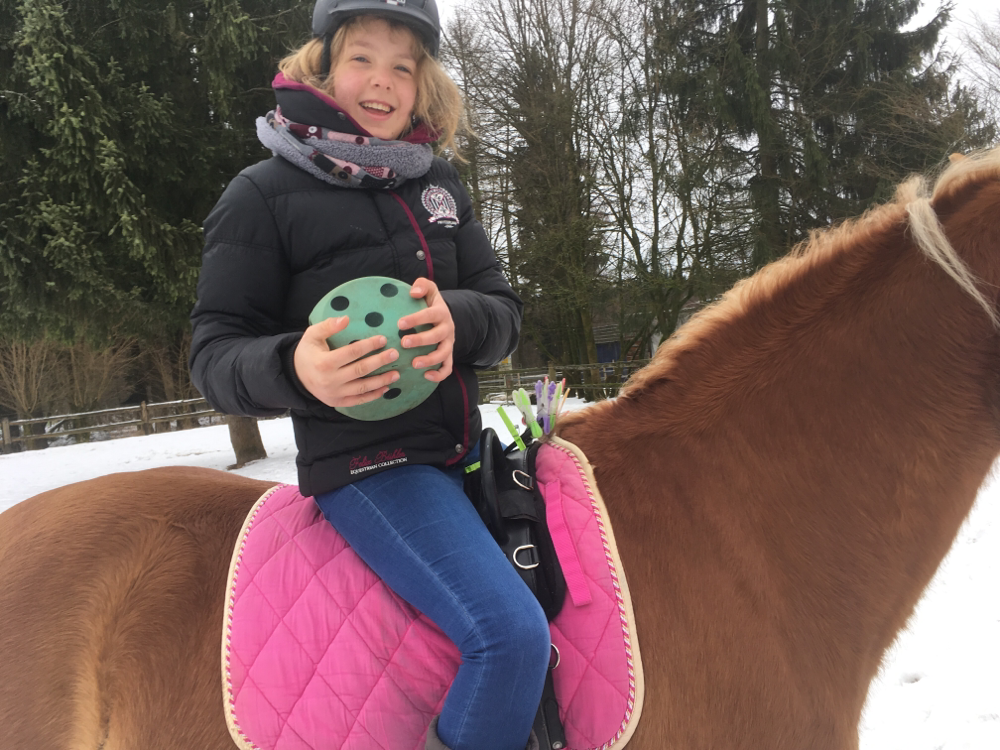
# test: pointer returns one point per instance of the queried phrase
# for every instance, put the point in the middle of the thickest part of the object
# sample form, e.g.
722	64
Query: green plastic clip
523	402
510	428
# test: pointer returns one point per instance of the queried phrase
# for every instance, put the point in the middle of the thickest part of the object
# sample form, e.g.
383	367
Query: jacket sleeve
241	354
486	310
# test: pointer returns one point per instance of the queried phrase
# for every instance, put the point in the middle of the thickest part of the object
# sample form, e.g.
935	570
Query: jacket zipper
420	234
430	275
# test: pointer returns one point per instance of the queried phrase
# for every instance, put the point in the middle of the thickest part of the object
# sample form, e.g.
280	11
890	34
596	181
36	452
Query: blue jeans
414	526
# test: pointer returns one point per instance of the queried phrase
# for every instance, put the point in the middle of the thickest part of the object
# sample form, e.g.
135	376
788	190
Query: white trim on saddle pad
228	699
318	653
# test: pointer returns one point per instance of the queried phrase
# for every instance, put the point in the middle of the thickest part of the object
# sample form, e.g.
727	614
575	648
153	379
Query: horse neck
822	447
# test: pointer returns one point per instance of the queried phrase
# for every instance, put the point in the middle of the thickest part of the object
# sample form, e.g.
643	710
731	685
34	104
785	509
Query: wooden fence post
144	416
5	436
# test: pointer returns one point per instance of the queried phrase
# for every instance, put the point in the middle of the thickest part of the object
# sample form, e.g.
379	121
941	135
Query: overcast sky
962	16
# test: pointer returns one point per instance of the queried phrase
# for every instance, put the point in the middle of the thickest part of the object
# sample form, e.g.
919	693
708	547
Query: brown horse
784	479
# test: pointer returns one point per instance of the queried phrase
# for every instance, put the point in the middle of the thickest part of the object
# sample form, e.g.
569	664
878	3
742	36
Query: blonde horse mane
915	194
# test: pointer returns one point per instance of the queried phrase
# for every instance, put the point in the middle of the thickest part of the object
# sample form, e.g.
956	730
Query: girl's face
374	79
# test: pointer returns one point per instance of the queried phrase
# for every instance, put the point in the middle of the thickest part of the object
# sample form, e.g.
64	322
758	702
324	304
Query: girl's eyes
364	59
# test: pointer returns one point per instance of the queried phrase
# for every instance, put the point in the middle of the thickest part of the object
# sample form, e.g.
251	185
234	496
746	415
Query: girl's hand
442	333
340	377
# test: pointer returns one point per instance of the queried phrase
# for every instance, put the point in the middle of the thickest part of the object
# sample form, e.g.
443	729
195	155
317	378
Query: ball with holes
374	305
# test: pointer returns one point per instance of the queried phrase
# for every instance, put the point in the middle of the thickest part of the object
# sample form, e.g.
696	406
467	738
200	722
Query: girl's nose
381	79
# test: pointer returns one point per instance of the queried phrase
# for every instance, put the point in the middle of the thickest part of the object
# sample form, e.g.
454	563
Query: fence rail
588	381
592	382
121	421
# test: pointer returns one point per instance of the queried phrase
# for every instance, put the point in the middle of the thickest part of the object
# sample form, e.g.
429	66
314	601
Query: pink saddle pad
318	653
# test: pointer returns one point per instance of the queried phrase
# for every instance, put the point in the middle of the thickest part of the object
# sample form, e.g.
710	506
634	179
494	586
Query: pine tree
832	102
121	123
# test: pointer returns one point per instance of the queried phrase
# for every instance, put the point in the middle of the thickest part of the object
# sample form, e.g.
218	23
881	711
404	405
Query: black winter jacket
278	240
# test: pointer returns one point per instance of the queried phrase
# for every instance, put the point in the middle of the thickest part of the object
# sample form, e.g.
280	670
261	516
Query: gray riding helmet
419	15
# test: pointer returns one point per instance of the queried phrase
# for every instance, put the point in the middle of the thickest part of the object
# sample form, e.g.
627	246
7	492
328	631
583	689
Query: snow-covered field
940	686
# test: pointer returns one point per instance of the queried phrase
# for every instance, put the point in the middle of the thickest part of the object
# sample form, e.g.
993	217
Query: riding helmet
419	15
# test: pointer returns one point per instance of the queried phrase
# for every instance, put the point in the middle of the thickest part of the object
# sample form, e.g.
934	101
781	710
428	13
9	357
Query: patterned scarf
342	159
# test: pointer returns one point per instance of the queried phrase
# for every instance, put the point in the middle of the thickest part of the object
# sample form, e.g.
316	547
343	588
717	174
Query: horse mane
737	316
961	173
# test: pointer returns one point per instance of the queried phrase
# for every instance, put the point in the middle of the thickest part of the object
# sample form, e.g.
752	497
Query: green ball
374	305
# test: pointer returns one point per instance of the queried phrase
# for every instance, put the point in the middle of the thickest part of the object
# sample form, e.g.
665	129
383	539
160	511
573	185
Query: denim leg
418	531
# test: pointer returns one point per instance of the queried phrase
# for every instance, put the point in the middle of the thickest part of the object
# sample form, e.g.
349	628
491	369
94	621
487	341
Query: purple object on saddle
319	653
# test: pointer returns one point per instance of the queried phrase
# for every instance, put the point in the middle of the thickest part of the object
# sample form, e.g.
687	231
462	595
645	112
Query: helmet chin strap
324	61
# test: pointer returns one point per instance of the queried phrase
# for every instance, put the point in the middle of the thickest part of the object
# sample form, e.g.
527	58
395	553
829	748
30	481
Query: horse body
783	479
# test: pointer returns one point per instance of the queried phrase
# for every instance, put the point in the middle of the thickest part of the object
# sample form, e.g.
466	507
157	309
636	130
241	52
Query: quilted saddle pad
318	653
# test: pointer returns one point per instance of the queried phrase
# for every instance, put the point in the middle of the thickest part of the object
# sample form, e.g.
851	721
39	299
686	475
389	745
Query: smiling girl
354	190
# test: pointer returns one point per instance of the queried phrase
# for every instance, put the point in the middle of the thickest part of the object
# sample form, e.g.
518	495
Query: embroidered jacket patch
440	205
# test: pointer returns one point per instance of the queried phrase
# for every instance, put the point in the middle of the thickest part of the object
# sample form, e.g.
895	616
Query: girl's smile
375	78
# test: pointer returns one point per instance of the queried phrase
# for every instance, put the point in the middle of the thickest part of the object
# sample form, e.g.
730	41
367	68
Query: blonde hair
438	103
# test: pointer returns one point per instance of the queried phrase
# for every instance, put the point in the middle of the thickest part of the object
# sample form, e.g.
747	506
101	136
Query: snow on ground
939	688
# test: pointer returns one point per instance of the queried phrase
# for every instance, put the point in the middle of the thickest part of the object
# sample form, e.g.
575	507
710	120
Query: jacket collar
310	106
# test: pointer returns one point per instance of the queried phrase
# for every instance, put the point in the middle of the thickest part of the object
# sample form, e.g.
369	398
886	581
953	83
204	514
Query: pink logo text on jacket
383	459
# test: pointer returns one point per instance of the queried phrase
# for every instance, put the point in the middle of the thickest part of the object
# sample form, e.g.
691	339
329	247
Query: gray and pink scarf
343	159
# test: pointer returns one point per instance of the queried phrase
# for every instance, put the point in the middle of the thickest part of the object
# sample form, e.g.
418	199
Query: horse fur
112	598
784	479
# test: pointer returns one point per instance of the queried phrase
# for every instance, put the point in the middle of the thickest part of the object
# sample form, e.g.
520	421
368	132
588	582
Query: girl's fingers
442	327
430	337
369	389
423	287
347	391
442	372
428	316
436	357
317	334
363	357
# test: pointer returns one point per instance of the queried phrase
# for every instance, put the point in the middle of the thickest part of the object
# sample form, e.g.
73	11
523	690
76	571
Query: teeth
376	106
